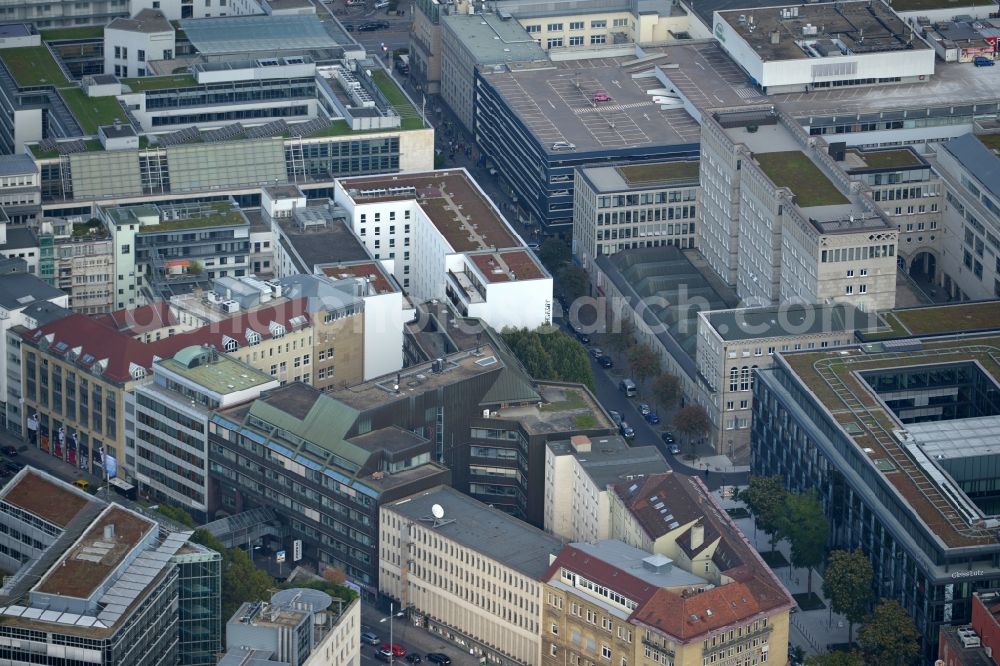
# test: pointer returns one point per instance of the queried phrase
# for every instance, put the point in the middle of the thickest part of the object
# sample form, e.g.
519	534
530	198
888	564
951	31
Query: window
576	25
141	55
734	375
730	405
606	651
576	41
864	272
598	39
553	649
528	29
849	289
620	23
555	27
126	249
555	43
555	629
850	273
599	24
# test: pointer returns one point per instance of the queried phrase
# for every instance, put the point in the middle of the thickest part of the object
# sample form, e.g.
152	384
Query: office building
175	10
63	14
20	195
19	242
77	258
896	437
467	572
791	49
166	429
297	627
781	220
734	344
26	301
447	241
633	206
578	476
162	250
301	453
130	44
965	265
613	602
99	579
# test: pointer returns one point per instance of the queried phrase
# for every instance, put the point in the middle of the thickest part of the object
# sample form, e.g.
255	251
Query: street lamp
392	614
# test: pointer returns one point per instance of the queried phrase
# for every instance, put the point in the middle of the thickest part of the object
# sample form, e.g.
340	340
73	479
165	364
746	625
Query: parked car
438	658
606	362
596	352
369	638
667	437
82	484
413	658
368	27
644	408
581	336
652	418
982	61
9	450
626	430
349	27
601	96
534	248
397	649
674	449
616	417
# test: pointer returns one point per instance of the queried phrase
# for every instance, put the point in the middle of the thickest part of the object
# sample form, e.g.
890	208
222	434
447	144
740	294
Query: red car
397	650
601	96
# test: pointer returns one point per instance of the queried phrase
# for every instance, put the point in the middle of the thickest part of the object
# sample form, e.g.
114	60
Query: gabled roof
140	320
18	290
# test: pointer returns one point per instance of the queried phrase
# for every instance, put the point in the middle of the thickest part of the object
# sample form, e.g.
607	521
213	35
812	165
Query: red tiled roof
602	573
140	320
97	340
517	262
367	269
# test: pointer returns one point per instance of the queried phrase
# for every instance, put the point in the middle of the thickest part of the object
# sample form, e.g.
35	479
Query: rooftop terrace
45	499
92	112
369	270
794	170
33	66
565	408
222	375
181	216
886	159
92	558
657	173
145	83
939	320
450	198
832	377
509	266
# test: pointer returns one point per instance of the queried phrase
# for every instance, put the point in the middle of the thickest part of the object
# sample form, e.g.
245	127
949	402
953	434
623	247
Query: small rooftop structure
218	373
492	40
155	218
247	34
146	21
609	459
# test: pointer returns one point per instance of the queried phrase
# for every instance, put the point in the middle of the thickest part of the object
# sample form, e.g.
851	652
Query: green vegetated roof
641	174
794	170
144	83
92	112
410	118
213	214
879	159
33	66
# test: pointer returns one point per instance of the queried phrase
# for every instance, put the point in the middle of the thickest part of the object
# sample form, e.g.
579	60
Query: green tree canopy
573	281
805	526
765	499
550	354
623	338
889	636
847	583
667	390
836	658
176	514
692	421
554	253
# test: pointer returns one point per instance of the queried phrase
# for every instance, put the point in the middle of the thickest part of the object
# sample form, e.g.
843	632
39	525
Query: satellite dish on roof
437	511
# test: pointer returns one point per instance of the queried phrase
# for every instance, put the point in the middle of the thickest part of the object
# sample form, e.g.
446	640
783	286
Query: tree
242	581
176	514
805	526
847	583
574	282
667	390
334	575
622	339
553	253
643	362
692	421
889	636
836	658
550	355
765	499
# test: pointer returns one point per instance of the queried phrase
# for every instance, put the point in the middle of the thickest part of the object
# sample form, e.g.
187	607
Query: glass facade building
199	597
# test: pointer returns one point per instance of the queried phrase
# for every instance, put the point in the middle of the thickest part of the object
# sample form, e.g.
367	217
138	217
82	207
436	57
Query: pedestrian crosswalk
746	92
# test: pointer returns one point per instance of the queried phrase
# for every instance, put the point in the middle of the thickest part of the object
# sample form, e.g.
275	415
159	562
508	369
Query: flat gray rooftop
17	165
958	438
323	244
554	103
611	460
243	34
483	529
14	30
492	40
977	159
771	322
622	556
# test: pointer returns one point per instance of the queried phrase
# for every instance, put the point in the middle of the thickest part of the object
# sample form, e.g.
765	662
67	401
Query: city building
795	49
733	344
609	601
20	195
965	264
166	422
77	258
63	14
160	250
632	206
175	10
19	242
446	240
302	453
895	435
591	117
471	41
297	627
986	619
961	646
578	474
781	220
130	44
103	580
21	294
467	572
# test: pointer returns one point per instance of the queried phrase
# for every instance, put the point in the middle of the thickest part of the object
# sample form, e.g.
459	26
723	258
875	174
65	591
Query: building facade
470	575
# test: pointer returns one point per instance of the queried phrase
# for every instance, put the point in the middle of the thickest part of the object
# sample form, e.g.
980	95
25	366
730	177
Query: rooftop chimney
109	532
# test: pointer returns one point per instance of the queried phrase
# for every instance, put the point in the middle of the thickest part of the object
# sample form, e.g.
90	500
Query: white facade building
804	47
130	44
185	9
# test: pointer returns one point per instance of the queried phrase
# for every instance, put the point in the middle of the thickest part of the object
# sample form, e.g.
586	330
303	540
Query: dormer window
276	329
230	344
252	336
136	371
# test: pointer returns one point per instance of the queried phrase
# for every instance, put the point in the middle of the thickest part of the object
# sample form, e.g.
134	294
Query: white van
628	388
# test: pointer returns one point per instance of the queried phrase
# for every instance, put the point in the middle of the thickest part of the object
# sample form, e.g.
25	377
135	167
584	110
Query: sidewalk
812	630
414	639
